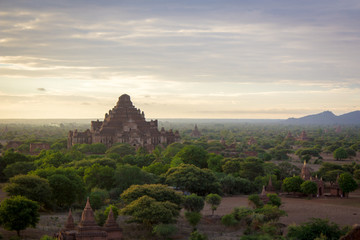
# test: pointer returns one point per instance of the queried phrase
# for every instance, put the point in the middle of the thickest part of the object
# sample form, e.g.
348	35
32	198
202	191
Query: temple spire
69	225
110	221
87	217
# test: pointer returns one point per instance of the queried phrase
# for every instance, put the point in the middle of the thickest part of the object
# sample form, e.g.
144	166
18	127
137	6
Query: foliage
97	198
231	166
292	184
193	203
251	168
157	168
18	168
236	185
47	237
287	169
62	192
149	211
126	175
214	200
76	189
214	162
122	149
193	155
314	228
193	179
102	214
17	213
340	153
347	183
274	199
229	220
164	230
161	193
33	187
193	218
195	235
308	187
99	176
255	200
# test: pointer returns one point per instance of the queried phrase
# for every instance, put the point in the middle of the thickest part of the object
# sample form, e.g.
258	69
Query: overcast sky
179	59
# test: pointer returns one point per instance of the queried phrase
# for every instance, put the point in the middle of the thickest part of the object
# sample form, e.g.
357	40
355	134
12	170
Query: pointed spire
69	225
263	192
110	221
270	181
87	217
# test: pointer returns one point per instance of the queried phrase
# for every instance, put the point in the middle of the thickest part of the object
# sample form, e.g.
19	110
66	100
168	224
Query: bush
274	199
256	201
193	203
229	220
314	228
197	236
164	230
193	218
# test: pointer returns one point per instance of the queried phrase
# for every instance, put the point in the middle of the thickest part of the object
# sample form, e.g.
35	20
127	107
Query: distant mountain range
326	118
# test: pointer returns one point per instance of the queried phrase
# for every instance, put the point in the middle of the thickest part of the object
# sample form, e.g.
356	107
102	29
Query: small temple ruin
323	188
195	133
88	229
124	124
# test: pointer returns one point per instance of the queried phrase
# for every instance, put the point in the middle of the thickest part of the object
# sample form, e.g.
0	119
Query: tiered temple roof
124	124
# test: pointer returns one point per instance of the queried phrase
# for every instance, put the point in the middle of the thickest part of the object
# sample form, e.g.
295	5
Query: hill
326	118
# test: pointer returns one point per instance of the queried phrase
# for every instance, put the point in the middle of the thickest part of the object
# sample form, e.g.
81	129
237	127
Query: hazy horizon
179	59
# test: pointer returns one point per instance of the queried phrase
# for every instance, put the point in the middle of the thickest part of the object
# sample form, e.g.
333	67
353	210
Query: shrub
164	230
274	199
193	203
255	200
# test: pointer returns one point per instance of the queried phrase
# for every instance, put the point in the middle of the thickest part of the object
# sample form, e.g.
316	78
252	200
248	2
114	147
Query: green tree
193	179
126	175
157	168
63	193
292	184
77	186
236	185
193	218
309	188
18	168
214	162
193	203
214	200
99	176
33	187
17	213
159	192
314	229
164	231
251	168
102	214
347	183
255	201
195	155
195	235
274	199
340	153
148	211
122	149
97	198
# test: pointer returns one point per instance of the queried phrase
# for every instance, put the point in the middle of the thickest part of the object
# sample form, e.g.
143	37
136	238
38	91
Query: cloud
249	50
41	89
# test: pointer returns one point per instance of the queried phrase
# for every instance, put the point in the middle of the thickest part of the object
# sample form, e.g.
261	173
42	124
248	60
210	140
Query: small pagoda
88	228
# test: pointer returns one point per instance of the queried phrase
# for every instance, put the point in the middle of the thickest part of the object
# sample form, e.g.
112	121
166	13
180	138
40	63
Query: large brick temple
124	124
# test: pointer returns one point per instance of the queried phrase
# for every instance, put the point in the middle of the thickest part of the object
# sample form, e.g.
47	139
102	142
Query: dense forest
229	158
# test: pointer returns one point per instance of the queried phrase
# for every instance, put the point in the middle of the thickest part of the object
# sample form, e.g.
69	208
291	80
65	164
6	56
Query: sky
179	59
